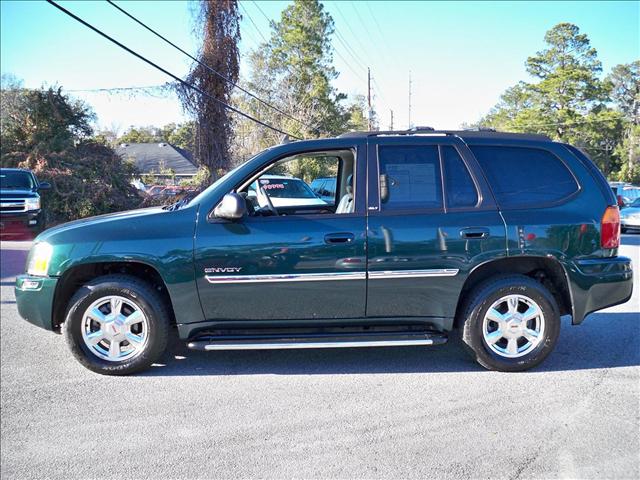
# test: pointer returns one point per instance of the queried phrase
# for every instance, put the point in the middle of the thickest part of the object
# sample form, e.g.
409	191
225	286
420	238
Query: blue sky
462	55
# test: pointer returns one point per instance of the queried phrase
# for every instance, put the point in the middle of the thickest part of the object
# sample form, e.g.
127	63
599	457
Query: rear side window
412	177
522	177
459	186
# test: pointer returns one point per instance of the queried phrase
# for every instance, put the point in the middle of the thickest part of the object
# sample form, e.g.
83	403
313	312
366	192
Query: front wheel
511	323
117	325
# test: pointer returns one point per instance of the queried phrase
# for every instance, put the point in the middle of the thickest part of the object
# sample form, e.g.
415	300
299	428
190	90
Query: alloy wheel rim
114	328
513	326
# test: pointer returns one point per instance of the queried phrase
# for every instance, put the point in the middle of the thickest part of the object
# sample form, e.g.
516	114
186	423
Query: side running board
323	340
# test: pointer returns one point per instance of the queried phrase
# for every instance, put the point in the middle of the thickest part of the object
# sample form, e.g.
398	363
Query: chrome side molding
302	277
318	277
434	272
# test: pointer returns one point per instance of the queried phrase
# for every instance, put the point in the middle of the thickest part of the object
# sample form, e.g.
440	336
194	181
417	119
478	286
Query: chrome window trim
317	277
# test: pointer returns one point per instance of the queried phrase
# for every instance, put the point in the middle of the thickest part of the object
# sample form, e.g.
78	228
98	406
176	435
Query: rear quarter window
523	177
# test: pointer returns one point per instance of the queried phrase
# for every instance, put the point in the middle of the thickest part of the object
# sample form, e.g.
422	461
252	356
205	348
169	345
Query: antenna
391	123
369	96
410	124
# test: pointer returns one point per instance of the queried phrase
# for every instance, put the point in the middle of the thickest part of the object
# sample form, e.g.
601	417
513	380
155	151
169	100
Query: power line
253	23
212	70
263	14
166	72
164	86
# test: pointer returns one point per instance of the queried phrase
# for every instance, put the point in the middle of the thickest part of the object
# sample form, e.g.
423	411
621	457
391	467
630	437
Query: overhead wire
209	68
168	73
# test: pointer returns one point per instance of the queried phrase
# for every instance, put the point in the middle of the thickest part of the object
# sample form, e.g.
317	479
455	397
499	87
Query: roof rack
481	132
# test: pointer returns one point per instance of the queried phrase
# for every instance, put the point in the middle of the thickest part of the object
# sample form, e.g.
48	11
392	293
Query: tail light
610	228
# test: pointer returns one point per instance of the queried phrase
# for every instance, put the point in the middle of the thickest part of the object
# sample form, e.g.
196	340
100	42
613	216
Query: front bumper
599	283
22	222
34	297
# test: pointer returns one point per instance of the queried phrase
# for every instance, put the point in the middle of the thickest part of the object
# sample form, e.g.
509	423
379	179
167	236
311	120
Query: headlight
39	260
32	203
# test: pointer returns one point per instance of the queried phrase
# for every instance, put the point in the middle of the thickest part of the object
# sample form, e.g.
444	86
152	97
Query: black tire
482	298
132	288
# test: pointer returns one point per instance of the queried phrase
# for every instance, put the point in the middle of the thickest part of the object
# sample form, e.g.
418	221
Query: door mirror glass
44	186
232	207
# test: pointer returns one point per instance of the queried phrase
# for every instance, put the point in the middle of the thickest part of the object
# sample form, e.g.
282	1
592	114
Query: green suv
493	235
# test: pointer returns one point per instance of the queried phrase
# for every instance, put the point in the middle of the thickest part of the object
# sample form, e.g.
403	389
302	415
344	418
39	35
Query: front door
305	262
432	219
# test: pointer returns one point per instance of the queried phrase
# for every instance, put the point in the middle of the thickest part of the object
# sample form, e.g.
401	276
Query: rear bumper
34	297
599	283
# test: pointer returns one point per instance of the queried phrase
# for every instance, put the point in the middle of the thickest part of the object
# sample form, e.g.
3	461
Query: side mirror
44	186
232	207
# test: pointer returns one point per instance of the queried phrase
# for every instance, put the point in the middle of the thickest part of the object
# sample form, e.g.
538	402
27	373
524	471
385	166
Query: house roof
152	157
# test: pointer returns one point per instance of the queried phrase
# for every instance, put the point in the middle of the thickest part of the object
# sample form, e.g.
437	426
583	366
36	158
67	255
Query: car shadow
606	340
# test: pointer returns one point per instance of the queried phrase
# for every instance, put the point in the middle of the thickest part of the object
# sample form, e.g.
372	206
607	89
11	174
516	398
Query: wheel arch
76	276
548	271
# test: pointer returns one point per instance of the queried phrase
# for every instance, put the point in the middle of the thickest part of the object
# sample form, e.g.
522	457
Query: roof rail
472	133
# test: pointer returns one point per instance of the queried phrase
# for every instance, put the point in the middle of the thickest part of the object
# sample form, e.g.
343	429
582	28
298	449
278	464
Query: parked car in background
21	212
630	194
625	192
491	235
282	191
630	216
154	190
325	188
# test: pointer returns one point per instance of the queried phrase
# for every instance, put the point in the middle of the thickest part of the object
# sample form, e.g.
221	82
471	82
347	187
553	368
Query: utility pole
369	96
391	123
409	99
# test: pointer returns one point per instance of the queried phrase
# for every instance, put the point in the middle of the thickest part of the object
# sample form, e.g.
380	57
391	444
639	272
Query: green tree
294	70
625	82
567	100
48	132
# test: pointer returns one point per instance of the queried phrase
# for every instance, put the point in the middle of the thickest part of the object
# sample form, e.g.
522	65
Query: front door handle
474	232
343	237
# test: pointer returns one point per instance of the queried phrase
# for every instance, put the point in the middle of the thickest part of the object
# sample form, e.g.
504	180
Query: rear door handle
474	232
339	237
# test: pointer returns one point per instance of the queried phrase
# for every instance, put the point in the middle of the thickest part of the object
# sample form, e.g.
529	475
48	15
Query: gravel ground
386	412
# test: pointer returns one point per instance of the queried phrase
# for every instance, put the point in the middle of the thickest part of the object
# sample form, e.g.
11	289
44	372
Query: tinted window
525	176
16	180
413	177
461	191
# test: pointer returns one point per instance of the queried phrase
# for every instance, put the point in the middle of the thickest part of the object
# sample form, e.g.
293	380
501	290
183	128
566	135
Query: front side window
409	177
522	177
305	184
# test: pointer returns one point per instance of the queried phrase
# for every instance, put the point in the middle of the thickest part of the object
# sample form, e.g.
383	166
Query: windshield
286	188
16	180
635	203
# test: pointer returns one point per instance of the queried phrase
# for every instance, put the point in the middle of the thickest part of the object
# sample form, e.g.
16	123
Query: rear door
432	224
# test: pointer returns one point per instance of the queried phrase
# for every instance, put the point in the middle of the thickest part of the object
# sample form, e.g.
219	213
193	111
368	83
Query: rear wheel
510	323
117	325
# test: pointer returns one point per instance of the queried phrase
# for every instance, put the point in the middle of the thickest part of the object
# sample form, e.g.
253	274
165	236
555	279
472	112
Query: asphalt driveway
386	412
